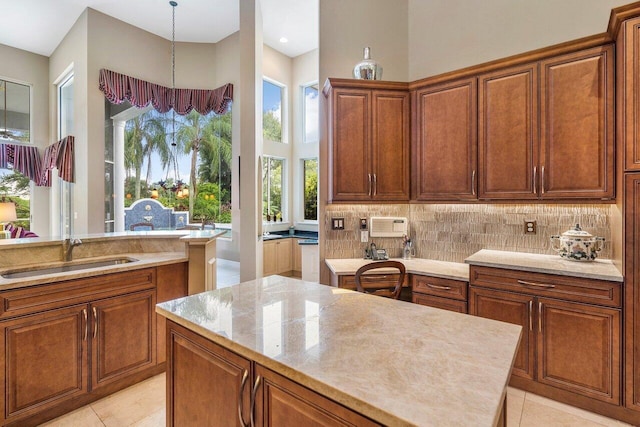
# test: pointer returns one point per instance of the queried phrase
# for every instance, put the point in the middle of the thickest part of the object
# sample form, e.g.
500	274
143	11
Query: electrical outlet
337	223
364	236
530	227
363	224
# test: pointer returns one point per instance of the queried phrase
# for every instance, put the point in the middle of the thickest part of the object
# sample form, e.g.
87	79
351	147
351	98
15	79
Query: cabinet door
123	336
577	119
390	142
44	360
269	258
508	134
632	290
350	147
172	283
297	256
281	402
205	382
511	308
444	133
628	69
284	255
579	348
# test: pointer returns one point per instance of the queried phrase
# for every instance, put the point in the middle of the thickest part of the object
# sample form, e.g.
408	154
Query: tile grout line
97	416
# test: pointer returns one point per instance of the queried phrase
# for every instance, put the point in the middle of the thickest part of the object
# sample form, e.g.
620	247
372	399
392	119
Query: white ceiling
39	25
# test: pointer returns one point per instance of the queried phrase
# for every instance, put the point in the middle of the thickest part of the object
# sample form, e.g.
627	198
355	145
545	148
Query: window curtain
118	87
26	159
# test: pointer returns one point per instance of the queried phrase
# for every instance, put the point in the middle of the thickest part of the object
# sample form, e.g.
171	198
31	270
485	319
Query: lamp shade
7	212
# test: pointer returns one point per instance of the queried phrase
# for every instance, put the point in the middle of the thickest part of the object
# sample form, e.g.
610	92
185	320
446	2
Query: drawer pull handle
245	377
537	285
95	322
253	399
531	315
442	288
86	324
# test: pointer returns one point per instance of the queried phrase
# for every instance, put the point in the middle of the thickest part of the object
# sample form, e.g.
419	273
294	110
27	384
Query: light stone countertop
395	362
144	260
601	269
442	269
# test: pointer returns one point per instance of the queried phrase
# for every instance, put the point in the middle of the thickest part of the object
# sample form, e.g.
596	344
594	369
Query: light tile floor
228	273
143	405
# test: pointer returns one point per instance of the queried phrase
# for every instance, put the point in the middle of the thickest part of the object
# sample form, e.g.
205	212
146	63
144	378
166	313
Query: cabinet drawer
447	288
371	281
439	302
591	291
37	298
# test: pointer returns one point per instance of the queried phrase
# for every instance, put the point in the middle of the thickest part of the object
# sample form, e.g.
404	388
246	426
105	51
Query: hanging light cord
173	70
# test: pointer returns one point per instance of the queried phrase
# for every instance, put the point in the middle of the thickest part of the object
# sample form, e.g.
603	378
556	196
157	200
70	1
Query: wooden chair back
385	290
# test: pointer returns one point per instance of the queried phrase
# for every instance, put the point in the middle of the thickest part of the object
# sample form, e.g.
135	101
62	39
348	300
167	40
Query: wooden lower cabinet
281	402
209	385
172	281
511	308
277	256
123	337
44	360
437	292
66	344
569	350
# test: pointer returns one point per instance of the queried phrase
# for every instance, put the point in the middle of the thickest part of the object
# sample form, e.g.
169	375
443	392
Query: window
65	128
272	123
15	126
272	188
310	167
310	116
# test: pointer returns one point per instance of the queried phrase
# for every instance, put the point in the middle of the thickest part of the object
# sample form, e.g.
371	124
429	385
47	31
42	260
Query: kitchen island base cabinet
208	385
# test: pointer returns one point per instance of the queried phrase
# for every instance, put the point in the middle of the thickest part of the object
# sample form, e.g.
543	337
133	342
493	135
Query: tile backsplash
452	232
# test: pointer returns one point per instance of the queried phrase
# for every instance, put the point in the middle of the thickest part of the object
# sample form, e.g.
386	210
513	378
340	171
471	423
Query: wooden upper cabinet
390	145
368	140
444	141
508	142
628	70
350	153
576	121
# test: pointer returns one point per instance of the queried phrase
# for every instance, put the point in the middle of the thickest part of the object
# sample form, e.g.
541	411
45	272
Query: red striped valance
26	160
118	87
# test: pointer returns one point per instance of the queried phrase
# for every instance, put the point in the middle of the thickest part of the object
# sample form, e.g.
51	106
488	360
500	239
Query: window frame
283	199
65	189
303	198
304	112
284	108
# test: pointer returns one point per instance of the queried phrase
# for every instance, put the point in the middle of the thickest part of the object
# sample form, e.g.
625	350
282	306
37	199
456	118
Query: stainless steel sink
32	272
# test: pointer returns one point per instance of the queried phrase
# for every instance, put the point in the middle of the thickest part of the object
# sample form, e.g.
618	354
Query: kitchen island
277	348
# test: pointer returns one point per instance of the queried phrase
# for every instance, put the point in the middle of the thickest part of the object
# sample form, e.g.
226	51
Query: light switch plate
337	223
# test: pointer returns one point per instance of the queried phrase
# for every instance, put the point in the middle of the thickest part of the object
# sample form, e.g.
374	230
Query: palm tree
215	153
188	139
144	135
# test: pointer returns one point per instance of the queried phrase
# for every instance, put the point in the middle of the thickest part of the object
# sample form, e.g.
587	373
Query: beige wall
445	35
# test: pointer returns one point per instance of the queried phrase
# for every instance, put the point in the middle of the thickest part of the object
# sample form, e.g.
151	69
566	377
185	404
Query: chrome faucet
68	246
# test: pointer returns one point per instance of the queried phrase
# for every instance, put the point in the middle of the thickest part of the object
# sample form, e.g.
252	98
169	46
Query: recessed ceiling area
40	25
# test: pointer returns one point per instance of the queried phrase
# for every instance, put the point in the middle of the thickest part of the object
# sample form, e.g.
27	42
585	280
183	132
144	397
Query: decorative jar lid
577	232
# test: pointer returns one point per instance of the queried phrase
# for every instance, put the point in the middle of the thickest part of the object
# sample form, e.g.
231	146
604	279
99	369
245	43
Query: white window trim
303	220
